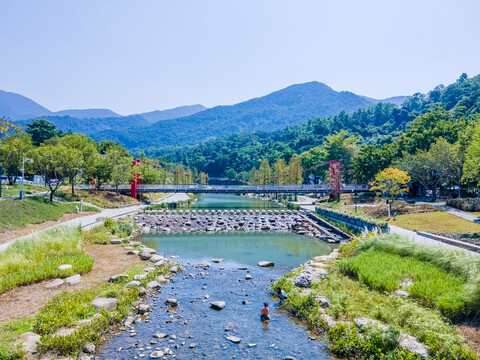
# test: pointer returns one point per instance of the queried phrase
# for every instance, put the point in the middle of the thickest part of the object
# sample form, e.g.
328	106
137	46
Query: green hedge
358	221
464	204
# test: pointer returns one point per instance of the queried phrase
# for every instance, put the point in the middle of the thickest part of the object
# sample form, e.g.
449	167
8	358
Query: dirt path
9	235
471	334
25	301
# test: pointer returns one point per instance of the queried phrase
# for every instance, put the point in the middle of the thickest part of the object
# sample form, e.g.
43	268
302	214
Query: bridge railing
308	188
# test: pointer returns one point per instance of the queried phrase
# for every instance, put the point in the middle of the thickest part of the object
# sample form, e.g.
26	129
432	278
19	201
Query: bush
108	222
464	204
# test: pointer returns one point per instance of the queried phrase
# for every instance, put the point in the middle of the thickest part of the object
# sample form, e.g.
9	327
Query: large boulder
29	342
412	345
304	280
324	302
104	304
145	255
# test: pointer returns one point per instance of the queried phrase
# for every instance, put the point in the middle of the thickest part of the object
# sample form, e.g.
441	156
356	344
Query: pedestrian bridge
236	189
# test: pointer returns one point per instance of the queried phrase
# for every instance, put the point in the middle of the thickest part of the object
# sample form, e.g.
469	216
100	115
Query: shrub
108	222
464	204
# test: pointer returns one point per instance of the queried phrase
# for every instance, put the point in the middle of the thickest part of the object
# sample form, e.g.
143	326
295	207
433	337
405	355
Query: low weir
167	221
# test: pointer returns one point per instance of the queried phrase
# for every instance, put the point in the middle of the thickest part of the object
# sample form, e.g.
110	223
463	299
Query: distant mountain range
192	124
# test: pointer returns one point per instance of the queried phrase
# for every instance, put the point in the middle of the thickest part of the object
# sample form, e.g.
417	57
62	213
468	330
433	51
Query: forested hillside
381	134
292	105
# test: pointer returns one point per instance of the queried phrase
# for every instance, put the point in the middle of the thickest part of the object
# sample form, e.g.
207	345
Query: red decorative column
335	178
135	178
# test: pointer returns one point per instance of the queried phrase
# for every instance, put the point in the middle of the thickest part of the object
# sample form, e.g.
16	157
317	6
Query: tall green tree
88	159
12	150
54	163
41	130
120	167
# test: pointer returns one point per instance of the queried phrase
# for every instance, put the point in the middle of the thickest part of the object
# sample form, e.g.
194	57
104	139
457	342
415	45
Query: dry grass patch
436	221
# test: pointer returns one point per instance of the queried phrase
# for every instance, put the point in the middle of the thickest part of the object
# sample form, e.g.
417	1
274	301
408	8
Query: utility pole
22	192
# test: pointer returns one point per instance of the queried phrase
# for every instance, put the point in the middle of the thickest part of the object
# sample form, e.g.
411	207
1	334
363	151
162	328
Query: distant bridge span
236	189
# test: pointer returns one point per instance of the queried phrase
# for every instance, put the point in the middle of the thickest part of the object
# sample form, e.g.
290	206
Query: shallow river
193	322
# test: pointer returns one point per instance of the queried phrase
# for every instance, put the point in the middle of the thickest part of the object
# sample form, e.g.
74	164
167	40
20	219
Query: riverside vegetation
440	286
37	259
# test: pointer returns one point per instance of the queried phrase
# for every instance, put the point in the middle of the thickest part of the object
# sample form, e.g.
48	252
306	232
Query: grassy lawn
37	258
17	214
103	199
14	190
435	221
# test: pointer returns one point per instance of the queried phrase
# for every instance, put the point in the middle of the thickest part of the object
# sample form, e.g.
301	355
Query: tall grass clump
445	278
37	258
431	285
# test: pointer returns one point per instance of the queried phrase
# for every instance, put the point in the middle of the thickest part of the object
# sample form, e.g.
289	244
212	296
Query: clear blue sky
135	56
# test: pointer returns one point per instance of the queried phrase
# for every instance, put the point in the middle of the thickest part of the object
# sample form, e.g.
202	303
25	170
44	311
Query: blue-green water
229	201
194	322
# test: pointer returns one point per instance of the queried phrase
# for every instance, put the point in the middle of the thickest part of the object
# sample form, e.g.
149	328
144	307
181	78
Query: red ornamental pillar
135	179
335	178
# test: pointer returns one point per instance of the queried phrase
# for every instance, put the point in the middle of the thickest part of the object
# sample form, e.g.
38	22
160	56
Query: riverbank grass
371	297
38	258
17	214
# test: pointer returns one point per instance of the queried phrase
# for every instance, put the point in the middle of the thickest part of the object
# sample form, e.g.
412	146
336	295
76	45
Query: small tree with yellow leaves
390	182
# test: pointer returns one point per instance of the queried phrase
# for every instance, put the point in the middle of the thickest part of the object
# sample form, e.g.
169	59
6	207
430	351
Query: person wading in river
264	316
281	294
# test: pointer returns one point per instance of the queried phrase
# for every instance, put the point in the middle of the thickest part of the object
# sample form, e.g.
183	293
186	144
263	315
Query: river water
194	322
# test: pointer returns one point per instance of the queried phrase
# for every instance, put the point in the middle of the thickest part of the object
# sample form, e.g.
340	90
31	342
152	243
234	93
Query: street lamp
22	192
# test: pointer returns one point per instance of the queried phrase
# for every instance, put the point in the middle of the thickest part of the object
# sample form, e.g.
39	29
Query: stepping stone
73	280
64	267
115	241
160	335
217	260
54	283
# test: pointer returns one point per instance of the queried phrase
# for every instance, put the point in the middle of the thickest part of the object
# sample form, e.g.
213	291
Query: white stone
412	345
104	304
234	339
266	263
217	305
64	267
54	283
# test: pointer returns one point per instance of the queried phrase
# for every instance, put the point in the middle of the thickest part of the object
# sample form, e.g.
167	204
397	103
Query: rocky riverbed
167	221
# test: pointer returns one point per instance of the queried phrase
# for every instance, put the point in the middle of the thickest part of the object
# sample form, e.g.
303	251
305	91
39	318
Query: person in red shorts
264	316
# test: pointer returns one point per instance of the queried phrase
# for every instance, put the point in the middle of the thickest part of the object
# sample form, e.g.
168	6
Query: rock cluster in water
167	221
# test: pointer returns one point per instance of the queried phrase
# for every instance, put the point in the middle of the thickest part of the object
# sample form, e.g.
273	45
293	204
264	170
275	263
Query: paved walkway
306	204
87	222
463	214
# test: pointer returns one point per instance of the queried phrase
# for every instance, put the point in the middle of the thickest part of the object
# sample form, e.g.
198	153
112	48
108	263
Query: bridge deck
237	189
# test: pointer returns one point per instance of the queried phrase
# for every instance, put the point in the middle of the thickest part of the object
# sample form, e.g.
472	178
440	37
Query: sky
142	55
